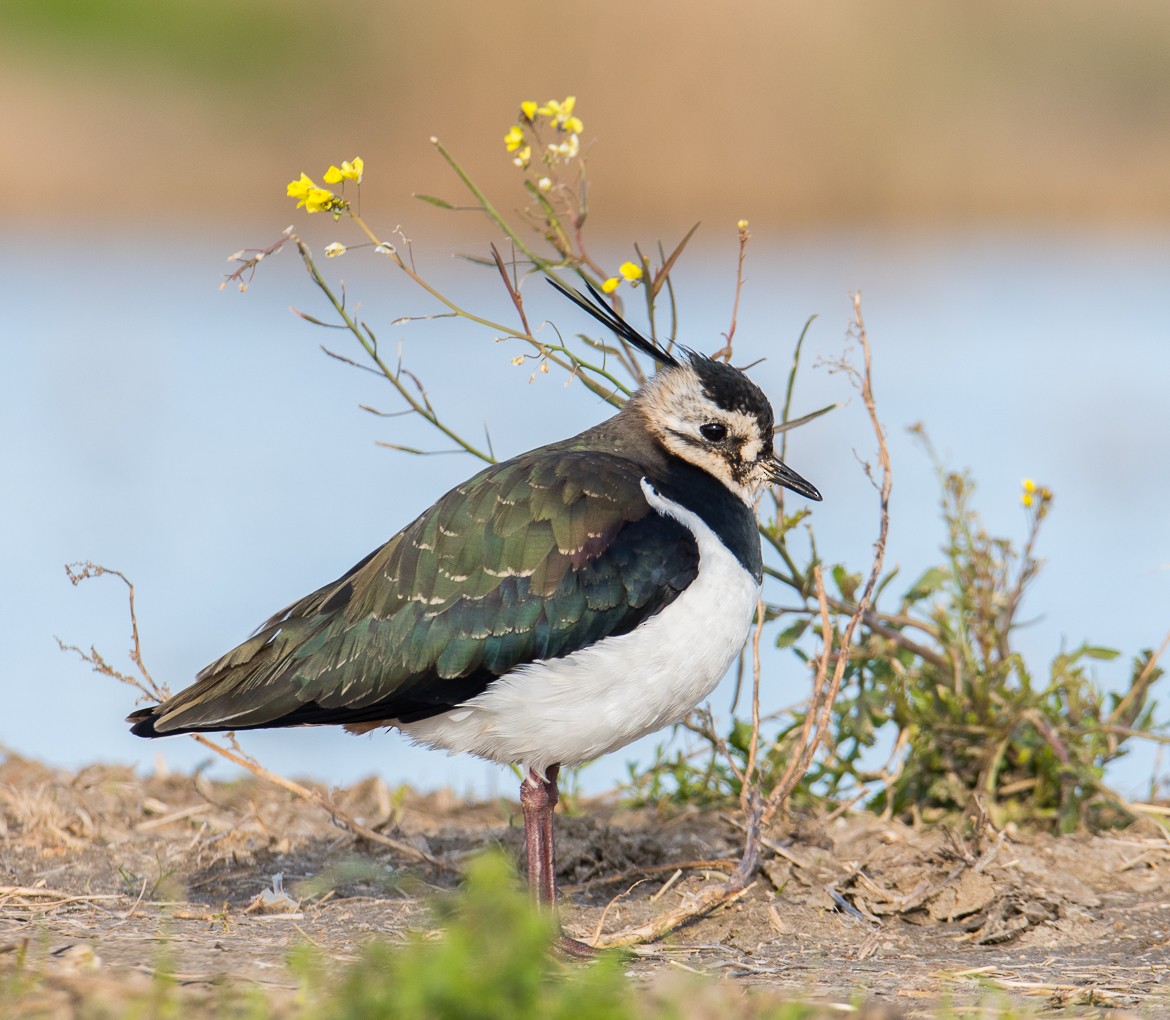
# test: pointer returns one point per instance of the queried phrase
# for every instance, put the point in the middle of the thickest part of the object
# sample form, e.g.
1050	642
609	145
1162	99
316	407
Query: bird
552	608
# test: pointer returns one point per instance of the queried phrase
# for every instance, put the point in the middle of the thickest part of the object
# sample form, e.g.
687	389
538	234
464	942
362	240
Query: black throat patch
717	506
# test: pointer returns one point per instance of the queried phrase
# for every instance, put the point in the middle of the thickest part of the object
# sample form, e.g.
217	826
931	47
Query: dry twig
824	688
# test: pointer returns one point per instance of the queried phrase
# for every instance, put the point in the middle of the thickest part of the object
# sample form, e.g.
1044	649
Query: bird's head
706	412
713	416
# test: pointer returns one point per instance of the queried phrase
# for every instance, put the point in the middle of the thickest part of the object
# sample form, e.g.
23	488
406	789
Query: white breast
570	710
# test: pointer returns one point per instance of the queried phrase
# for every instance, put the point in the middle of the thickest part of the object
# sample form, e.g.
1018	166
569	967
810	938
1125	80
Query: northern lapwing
550	609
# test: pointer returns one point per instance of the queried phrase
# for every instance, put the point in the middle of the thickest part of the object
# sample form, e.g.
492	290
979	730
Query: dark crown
725	386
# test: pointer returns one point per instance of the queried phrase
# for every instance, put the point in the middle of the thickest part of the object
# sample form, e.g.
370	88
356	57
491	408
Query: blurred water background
994	179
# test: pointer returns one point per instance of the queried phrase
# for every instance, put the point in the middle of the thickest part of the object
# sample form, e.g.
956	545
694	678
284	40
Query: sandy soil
101	871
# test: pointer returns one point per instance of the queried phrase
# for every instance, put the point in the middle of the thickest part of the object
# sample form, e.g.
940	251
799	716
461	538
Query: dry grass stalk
825	689
693	907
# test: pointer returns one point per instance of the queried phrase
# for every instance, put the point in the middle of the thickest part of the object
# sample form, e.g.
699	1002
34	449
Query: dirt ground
100	870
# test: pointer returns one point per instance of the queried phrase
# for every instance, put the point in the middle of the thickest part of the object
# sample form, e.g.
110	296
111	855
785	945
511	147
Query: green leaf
847	584
1097	652
930	582
315	321
790	635
442	203
804	419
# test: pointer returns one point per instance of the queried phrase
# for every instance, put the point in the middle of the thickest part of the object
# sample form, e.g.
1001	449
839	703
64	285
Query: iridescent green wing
530	559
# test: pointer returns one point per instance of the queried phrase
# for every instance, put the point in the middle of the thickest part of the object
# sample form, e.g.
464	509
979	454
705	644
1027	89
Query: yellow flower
346	172
528	110
545	184
312	198
319	200
560	115
1039	496
299	189
742	225
334	249
629	271
514	138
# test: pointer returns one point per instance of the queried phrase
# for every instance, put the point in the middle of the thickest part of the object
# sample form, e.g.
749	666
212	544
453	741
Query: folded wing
530	559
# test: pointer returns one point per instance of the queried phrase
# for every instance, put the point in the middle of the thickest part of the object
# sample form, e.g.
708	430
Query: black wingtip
604	314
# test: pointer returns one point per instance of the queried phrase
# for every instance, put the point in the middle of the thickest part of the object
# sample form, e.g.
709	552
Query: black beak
781	474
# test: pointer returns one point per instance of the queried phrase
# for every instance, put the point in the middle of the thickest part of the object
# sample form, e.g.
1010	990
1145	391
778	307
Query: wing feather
530	559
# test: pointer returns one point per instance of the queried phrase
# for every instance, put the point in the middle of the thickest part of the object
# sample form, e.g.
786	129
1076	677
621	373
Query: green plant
491	959
974	718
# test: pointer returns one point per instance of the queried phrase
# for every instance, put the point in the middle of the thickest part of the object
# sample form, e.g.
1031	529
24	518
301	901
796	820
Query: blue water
200	442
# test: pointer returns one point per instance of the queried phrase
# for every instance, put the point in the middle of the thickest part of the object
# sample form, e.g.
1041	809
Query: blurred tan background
797	115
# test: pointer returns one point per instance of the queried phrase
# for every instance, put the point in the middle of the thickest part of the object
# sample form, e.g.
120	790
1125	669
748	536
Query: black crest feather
604	314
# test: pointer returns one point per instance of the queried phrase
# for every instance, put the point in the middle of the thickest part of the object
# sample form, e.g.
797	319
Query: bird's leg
548	864
538	807
538	799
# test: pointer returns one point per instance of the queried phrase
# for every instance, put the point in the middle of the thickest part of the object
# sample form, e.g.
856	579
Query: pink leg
548	844
538	799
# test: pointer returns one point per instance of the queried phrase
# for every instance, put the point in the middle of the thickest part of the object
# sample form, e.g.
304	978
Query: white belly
570	710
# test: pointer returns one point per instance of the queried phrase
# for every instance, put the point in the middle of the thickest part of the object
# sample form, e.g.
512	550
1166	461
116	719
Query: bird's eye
713	432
